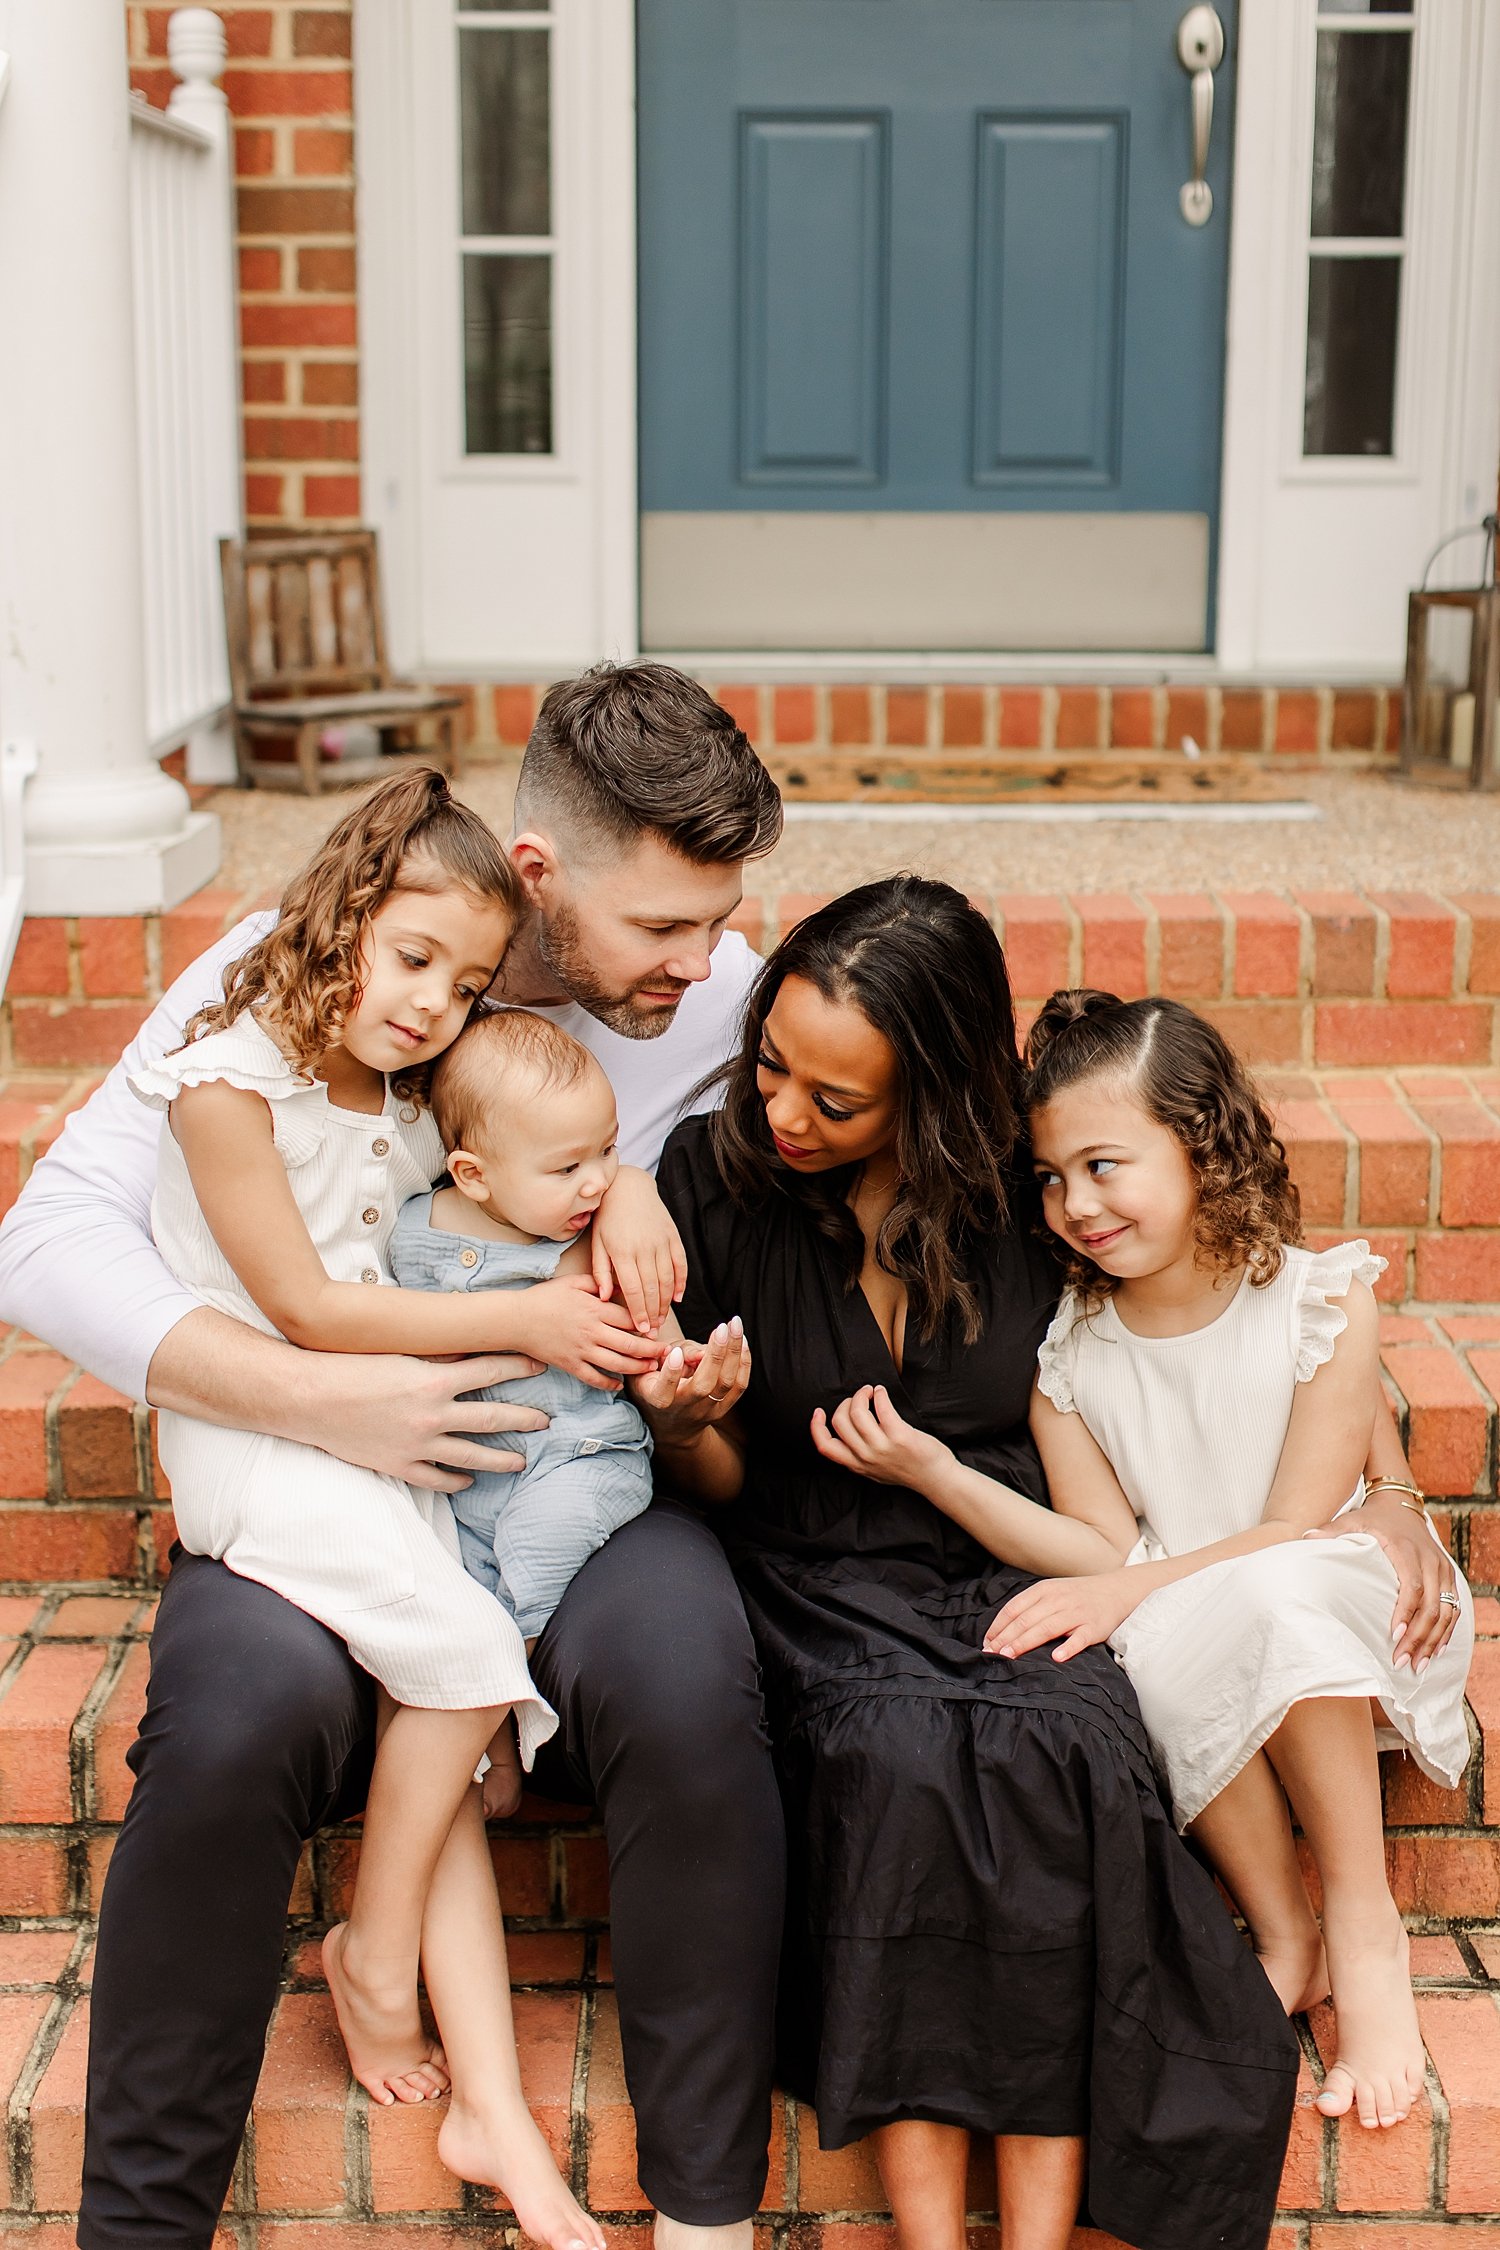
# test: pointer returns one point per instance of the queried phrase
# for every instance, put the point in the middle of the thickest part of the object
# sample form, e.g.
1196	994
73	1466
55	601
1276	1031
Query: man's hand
637	1250
402	1417
575	1330
1075	1612
1420	1621
409	1418
867	1435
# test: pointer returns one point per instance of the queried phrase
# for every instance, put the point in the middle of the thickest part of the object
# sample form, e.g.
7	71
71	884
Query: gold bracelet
1399	1484
1416	1508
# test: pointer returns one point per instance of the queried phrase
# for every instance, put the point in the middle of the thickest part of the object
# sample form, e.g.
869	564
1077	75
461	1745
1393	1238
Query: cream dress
373	1559
1193	1427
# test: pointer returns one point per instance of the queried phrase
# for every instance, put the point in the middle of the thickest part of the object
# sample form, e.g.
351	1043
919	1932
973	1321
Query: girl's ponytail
1075	1017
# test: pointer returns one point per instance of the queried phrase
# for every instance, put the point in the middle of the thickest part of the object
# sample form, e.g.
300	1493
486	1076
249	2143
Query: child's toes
1337	2097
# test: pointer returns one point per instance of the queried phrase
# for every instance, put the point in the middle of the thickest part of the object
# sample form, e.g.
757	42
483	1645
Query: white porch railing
187	381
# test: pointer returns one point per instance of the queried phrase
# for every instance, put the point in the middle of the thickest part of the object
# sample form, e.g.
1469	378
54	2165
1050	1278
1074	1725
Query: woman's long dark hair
925	969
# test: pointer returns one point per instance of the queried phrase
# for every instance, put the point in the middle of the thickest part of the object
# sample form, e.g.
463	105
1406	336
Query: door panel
813	260
1047	328
925	257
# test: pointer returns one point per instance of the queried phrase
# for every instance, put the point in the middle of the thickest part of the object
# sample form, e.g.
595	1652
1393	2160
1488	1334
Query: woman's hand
1421	1622
1077	1613
637	1250
867	1435
696	1385
584	1337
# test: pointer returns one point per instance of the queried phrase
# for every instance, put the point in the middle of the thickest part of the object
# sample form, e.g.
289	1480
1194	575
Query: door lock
1200	50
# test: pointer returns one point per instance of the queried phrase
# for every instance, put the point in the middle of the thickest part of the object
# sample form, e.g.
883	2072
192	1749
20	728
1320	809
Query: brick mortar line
28	2082
81	1763
578	2095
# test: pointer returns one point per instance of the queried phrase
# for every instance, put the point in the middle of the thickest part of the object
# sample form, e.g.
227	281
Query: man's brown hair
633	749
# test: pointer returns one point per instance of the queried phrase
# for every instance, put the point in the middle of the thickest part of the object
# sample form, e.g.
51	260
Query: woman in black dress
991	1924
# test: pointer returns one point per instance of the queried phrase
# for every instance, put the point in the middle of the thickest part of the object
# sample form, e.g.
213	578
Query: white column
107	831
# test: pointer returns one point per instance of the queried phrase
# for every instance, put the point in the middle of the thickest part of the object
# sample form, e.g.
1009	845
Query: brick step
70	1695
83	1498
1333	979
73	1671
318	2151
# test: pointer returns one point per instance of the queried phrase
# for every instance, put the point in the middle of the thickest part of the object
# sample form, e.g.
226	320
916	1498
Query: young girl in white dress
298	1127
1206	1398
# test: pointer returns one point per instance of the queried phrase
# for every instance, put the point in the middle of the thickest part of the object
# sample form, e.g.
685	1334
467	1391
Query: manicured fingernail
1422	1664
1400	1662
1396	1633
736	1326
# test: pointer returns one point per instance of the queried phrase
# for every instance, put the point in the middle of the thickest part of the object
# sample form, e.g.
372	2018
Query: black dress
991	1922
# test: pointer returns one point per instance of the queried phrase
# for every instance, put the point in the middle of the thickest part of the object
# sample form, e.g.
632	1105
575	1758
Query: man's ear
534	857
467	1174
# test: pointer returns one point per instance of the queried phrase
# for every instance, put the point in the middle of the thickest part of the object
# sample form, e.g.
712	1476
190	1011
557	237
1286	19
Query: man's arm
78	1268
406	1418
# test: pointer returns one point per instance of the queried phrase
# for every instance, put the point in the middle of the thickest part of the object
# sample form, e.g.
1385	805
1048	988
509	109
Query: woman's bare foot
1297	1969
389	2051
501	2147
501	1788
1381	2063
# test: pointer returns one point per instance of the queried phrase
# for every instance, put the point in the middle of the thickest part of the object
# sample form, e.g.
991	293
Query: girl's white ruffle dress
1193	1427
373	1559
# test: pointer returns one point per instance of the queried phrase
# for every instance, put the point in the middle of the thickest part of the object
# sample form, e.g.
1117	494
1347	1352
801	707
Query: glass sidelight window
1357	246
506	241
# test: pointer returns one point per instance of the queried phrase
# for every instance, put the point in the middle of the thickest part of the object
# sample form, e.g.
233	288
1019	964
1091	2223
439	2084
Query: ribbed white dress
1193	1427
373	1559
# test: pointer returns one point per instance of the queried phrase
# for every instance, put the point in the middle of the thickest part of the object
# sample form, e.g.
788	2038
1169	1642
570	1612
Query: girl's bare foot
501	1788
501	2147
389	2051
1297	1969
1381	2064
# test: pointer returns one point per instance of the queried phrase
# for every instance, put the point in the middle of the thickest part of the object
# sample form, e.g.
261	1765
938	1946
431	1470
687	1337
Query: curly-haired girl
298	1127
1204	1401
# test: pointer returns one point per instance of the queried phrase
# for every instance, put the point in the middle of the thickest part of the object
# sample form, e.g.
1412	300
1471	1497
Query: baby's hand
867	1435
637	1250
696	1384
576	1332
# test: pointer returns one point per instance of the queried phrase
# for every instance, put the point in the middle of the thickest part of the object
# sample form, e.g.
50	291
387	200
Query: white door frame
566	525
1276	509
1316	555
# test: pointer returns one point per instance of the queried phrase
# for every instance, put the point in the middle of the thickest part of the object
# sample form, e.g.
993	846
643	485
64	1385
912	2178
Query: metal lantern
1450	724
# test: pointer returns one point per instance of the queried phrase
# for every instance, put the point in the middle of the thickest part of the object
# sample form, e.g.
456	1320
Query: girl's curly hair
1188	1078
410	833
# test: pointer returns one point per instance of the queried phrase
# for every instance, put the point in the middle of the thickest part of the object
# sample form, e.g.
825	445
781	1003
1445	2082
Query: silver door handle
1200	50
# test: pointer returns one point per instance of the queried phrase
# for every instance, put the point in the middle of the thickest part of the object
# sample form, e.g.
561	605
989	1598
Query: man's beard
561	949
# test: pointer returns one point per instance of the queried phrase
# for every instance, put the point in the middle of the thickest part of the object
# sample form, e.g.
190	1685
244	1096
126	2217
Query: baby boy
528	1119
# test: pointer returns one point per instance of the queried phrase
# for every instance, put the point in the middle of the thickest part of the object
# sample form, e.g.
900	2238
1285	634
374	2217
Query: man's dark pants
258	1731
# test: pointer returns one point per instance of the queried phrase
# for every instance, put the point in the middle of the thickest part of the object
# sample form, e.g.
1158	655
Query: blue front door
929	354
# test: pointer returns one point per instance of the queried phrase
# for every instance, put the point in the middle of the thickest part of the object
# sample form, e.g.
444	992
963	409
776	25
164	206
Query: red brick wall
290	89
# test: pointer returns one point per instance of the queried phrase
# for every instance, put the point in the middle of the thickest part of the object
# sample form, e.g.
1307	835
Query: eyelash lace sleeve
1056	1356
1321	1318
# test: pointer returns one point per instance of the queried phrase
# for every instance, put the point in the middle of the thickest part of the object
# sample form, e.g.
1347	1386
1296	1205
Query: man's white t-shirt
78	1266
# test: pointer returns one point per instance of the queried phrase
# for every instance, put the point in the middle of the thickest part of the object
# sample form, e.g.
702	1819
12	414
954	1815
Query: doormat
981	778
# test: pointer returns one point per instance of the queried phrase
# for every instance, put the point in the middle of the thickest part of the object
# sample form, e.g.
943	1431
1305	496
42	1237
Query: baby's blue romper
526	1533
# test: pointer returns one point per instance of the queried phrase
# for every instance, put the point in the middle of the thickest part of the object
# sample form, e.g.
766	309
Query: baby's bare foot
1381	2064
389	2051
1297	1969
500	2146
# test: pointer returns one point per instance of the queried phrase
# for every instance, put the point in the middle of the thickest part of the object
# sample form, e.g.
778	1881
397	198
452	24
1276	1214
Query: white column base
141	875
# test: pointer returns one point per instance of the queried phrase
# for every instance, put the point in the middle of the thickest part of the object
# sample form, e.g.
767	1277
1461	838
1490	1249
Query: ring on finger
1451	1600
